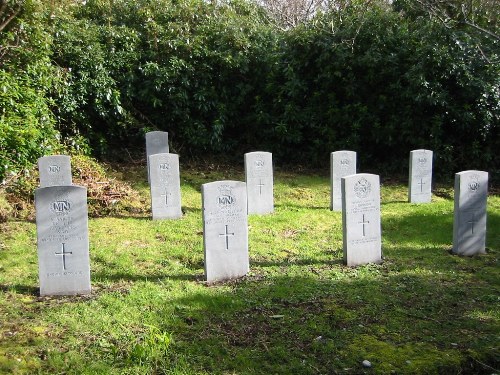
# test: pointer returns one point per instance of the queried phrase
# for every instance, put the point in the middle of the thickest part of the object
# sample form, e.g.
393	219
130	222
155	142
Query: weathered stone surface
342	163
259	180
225	230
62	238
469	224
55	170
361	219
156	143
420	176
165	186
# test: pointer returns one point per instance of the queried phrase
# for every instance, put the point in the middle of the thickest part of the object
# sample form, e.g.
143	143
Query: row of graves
62	220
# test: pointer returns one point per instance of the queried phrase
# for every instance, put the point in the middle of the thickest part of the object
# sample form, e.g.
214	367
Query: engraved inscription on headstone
156	143
361	219
62	239
259	179
55	170
165	186
342	163
469	224
225	230
420	176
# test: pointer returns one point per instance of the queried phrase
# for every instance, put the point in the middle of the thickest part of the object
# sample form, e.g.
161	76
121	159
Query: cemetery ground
299	310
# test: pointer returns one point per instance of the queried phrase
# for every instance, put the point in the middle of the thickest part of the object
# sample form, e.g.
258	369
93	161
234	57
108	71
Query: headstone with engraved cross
225	230
259	179
165	186
361	219
55	170
420	176
342	163
62	239
469	224
156	143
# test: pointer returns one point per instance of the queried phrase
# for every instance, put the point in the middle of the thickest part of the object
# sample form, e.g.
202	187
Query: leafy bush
221	78
26	76
383	85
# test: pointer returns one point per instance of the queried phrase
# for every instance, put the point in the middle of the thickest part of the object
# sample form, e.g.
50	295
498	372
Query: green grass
299	311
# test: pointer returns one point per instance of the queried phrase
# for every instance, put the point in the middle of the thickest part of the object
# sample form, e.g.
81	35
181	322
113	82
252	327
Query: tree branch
4	24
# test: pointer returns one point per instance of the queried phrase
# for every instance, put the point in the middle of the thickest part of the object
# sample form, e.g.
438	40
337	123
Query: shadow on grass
295	262
21	289
401	322
436	229
186	209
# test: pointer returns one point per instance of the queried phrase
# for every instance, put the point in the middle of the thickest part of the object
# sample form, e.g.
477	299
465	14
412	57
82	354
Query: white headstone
420	176
55	170
361	219
165	186
156	143
469	224
225	230
259	180
62	239
342	163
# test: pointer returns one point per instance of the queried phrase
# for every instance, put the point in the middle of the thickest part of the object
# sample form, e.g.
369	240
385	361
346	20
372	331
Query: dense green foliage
222	77
26	76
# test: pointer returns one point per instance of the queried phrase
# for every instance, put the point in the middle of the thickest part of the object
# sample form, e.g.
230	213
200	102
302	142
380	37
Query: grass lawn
299	311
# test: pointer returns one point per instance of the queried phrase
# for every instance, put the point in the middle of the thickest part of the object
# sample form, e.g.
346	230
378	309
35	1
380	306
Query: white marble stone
361	219
225	230
156	143
165	186
420	176
55	170
469	224
259	180
342	163
62	239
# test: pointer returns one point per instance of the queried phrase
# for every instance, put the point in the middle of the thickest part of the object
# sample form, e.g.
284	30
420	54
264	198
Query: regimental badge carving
54	168
473	183
226	198
345	163
61	205
259	164
362	188
164	166
422	161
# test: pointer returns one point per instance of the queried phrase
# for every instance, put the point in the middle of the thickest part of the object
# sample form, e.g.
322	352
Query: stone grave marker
469	224
420	176
62	239
259	180
165	186
361	219
225	230
55	170
156	143
342	163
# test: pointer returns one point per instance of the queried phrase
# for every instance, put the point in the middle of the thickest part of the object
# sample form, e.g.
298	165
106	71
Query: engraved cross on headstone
226	234
166	195
421	183
363	222
260	184
63	254
472	221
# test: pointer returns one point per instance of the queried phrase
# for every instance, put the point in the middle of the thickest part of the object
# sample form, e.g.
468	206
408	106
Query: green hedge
381	80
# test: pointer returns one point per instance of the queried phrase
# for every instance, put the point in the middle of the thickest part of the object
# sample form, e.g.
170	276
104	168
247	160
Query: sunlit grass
300	310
